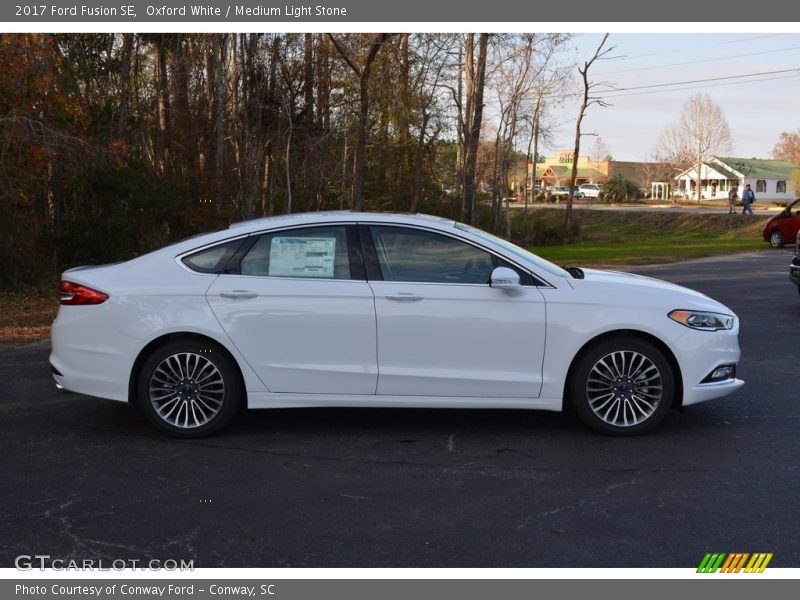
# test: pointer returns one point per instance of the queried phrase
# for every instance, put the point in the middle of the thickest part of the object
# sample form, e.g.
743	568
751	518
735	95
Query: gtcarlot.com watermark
42	562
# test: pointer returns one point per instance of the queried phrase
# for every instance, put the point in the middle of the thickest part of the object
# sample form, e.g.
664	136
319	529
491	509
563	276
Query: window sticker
301	257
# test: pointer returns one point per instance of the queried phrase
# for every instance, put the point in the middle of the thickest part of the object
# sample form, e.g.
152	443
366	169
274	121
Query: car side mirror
507	280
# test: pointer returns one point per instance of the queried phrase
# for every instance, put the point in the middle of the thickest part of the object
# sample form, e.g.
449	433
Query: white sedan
370	309
590	190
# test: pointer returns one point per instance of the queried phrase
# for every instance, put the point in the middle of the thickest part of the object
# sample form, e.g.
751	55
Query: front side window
417	255
313	252
761	185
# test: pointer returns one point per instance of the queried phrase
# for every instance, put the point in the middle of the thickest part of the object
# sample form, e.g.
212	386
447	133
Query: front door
442	330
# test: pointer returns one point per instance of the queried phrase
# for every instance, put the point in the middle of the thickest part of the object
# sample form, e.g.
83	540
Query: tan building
557	170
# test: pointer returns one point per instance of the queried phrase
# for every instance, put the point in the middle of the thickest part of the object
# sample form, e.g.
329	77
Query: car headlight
705	321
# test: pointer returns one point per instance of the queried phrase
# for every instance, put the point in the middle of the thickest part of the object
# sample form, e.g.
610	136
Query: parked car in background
561	192
590	190
784	226
794	268
376	309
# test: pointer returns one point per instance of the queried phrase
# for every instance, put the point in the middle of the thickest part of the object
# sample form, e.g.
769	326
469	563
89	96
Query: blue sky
757	112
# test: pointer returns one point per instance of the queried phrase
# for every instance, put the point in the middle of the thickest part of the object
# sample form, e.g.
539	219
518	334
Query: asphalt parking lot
90	479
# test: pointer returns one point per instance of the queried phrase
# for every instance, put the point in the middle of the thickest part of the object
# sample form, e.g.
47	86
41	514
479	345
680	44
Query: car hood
638	289
779	217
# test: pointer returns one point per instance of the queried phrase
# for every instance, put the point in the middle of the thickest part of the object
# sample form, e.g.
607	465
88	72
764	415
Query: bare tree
600	151
429	59
514	82
364	71
541	132
788	147
589	98
475	79
705	127
672	152
219	56
701	132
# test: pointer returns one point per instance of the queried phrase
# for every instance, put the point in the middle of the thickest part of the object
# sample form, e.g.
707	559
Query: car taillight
73	293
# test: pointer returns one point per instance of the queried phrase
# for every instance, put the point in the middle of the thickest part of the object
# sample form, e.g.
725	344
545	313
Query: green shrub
619	189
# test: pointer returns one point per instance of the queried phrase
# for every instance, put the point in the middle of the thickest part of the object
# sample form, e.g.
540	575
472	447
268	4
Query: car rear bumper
84	358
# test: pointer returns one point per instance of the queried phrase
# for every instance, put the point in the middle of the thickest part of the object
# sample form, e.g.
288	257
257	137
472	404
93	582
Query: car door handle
403	297
238	294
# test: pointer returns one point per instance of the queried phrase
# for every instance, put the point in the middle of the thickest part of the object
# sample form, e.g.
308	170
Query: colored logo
738	562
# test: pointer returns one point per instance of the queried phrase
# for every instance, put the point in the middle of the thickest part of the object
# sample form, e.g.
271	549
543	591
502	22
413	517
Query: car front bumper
699	354
794	270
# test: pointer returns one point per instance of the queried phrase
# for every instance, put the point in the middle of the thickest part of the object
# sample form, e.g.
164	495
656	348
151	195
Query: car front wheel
189	389
622	386
776	239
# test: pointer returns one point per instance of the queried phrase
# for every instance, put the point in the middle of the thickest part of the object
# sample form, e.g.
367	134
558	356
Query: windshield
543	264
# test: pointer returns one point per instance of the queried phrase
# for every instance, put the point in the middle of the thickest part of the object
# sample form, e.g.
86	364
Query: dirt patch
26	318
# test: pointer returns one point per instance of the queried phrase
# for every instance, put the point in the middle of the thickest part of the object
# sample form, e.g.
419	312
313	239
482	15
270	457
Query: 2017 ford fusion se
370	309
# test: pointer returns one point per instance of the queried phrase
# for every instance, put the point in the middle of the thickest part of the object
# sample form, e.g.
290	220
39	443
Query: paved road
85	478
761	210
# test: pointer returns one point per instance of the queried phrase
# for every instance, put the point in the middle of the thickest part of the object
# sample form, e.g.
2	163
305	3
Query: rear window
213	259
313	252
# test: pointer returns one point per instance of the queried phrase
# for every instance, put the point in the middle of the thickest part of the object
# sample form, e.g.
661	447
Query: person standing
733	196
748	197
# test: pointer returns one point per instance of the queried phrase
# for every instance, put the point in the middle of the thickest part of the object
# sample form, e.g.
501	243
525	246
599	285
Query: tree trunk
308	84
534	161
219	41
360	151
162	101
323	84
587	101
466	124
699	174
460	125
125	78
473	133
419	155
288	207
360	154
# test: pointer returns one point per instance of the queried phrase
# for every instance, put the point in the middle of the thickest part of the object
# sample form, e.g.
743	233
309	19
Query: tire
776	239
189	389
622	386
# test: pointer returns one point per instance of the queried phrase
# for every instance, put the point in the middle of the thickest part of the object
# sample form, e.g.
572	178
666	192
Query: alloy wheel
186	390
624	388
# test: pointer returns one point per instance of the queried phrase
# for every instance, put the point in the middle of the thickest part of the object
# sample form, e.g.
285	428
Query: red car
783	226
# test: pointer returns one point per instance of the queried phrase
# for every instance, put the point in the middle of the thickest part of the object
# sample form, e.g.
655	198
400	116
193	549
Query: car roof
244	228
337	216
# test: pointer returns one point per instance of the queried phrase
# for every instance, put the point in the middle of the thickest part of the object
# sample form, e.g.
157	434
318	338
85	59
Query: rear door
298	308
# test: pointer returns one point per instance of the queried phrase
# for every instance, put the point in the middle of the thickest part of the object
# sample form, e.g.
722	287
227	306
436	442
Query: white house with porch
769	179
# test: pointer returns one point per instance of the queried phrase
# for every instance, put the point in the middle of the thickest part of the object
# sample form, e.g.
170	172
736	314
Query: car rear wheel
776	239
622	386
189	389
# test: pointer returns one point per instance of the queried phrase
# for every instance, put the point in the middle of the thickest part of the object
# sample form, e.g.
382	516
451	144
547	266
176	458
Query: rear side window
313	252
213	259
